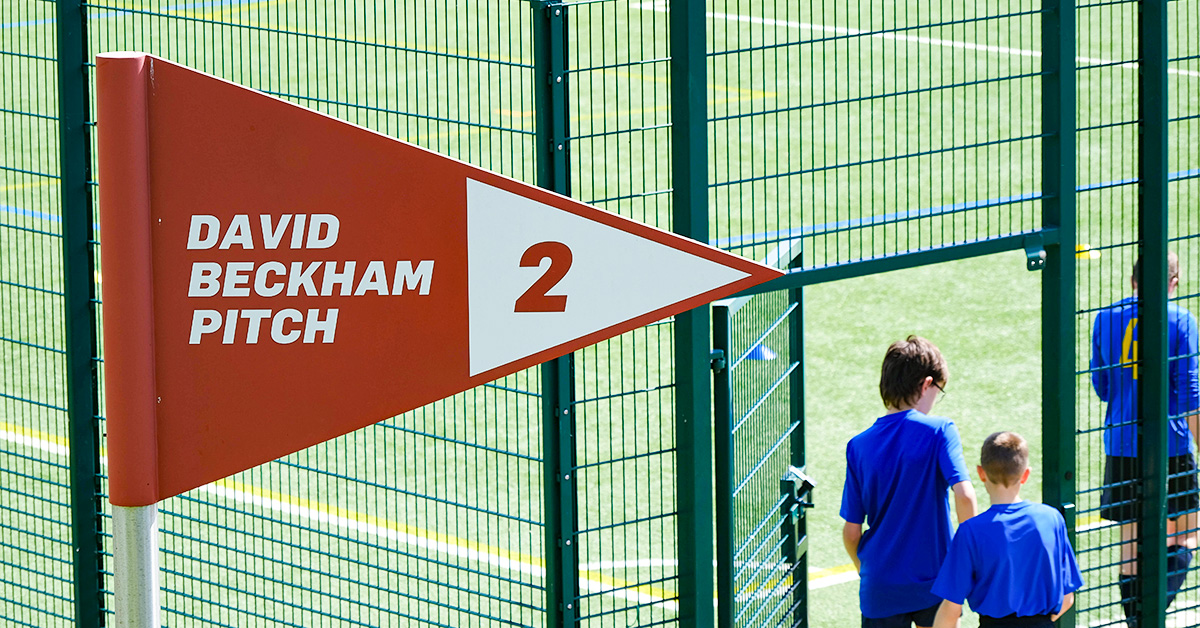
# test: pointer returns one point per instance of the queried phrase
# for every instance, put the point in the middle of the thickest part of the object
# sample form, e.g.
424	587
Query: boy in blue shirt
1013	562
898	473
1114	377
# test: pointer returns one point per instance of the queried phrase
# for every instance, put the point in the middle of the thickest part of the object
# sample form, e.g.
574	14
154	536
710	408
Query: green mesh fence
868	130
1184	226
430	518
618	146
1108	119
1107	207
1183	229
36	578
858	135
851	133
762	559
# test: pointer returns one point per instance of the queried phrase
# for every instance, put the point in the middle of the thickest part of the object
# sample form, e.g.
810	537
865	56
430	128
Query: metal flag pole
135	566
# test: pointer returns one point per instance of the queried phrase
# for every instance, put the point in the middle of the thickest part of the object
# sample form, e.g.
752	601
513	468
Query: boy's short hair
1004	457
907	363
1172	267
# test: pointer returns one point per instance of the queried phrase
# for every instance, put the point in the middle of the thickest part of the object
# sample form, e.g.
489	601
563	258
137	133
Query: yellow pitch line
470	55
662	80
236	8
346	518
342	517
369	524
21	186
830	571
741	94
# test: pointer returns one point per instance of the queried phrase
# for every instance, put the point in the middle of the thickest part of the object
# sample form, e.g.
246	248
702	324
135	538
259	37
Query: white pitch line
287	505
295	507
661	7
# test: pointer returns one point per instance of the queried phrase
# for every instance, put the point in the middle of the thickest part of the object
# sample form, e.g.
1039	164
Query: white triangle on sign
611	276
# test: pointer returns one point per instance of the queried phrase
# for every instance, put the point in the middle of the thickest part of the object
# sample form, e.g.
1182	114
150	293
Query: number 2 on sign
535	298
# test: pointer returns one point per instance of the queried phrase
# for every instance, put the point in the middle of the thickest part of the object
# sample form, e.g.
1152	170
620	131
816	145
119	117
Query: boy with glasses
898	472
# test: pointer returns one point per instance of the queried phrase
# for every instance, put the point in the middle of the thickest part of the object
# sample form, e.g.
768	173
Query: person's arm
965	504
1068	601
851	535
1099	373
1185	372
948	615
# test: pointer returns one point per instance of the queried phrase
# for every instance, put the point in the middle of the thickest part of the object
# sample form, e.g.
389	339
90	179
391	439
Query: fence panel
871	130
1107	231
1183	68
433	517
618	146
759	432
36	552
1110	126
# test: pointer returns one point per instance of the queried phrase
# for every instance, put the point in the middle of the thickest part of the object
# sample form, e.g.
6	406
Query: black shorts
923	617
1119	501
1013	621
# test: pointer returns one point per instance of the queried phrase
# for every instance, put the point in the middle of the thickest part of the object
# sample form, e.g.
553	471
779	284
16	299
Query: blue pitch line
873	221
110	14
212	3
773	236
29	213
27	23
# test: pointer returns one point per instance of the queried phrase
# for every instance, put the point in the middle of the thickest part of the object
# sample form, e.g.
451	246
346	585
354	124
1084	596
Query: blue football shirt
1115	373
1010	559
898	473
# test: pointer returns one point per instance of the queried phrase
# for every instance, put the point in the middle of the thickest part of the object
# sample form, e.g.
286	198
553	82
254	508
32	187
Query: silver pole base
135	566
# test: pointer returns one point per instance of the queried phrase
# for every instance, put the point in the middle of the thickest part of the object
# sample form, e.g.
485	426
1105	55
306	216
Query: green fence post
558	376
693	409
723	446
799	547
82	380
1058	279
1153	128
559	486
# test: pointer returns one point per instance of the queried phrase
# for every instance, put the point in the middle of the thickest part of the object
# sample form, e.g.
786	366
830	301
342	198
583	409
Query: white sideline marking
366	524
322	513
313	511
660	6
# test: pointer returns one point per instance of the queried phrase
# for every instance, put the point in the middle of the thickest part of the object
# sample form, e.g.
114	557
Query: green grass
413	518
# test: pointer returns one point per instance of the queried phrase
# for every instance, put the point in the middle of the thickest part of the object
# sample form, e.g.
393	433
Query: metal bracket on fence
717	360
796	483
1035	252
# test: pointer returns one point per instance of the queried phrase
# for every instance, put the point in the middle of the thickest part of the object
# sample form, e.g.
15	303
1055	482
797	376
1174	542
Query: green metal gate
761	488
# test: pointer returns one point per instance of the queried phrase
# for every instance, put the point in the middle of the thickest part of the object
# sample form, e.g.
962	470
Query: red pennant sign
274	277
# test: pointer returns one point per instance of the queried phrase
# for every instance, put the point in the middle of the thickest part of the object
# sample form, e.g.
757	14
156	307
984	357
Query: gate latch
716	360
796	483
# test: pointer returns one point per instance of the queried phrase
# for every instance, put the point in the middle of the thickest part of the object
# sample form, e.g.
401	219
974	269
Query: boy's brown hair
907	363
1004	457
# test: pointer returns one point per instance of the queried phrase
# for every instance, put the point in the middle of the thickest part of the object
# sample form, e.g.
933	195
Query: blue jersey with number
897	475
1010	559
1115	373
